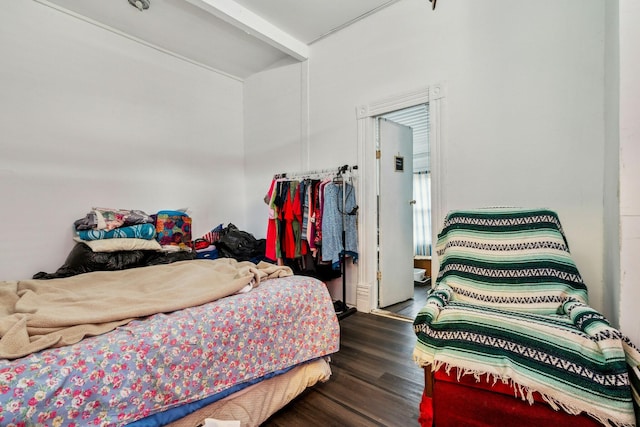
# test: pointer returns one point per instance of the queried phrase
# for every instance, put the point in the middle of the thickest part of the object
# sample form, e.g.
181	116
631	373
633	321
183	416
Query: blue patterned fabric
138	231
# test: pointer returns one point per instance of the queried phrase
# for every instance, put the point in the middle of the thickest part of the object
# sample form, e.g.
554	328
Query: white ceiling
309	20
238	38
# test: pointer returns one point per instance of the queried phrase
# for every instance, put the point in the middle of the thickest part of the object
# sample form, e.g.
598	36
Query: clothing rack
340	174
318	174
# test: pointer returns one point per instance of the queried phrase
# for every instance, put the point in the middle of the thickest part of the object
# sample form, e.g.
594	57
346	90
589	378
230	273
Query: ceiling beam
244	19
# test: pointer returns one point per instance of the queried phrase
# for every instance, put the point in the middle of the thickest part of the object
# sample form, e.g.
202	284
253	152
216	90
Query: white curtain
422	213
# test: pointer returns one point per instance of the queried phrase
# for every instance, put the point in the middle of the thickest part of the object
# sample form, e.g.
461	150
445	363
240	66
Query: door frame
434	96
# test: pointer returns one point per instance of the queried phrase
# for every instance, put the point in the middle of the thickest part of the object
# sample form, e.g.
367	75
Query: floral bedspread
166	360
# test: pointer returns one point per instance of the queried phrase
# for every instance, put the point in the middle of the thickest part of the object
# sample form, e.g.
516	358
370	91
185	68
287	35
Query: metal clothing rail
320	173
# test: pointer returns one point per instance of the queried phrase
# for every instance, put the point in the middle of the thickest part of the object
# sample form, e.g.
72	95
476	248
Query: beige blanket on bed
38	314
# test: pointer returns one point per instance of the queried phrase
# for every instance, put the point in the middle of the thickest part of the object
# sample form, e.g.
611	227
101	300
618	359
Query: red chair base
480	404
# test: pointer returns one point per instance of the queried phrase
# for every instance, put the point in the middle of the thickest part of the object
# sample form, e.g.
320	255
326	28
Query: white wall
275	134
611	261
90	118
629	169
524	112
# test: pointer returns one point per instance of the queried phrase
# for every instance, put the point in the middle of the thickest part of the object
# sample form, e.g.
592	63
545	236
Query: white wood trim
363	295
437	95
367	287
437	91
367	227
244	19
397	102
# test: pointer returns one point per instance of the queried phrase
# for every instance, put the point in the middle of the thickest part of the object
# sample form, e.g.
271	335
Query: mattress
167	360
255	404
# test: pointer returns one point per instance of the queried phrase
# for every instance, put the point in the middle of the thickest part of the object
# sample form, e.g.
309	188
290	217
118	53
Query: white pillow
121	244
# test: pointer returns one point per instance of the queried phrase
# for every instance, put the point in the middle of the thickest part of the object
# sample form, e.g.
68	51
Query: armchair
508	318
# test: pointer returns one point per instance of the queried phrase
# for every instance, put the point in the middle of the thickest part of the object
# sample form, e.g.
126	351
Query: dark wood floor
374	382
409	309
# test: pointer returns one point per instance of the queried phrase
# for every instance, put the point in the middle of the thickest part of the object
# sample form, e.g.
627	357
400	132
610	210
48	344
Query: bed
507	330
162	345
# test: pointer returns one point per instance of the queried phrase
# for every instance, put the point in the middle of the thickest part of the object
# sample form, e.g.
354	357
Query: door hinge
379	275
377	154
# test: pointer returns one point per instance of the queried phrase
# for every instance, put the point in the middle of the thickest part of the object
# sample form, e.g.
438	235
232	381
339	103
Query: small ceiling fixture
140	4
433	4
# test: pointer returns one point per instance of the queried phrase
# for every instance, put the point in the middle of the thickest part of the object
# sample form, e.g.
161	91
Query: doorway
404	210
434	96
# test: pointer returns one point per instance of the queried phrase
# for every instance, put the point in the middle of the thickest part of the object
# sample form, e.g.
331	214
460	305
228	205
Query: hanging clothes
311	223
293	222
336	218
282	188
319	213
299	210
270	250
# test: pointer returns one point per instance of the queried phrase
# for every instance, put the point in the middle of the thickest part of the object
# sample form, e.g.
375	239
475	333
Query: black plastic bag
240	245
82	259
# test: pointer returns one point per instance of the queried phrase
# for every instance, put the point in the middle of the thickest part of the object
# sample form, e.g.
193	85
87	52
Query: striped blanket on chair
510	303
